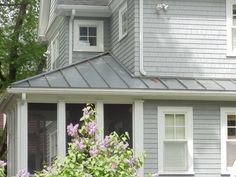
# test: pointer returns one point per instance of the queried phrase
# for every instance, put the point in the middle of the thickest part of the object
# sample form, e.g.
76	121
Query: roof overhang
84	10
136	93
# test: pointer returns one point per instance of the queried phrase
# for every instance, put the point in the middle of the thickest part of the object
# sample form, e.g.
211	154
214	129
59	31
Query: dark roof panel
105	72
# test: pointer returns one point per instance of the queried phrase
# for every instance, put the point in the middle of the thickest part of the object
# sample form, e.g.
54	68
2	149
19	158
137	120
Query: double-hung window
175	140
54	51
53	146
231	27
88	35
228	139
123	21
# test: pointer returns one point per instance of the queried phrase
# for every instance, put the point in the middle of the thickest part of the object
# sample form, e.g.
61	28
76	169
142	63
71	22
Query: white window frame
54	46
229	15
100	35
53	133
224	111
122	10
188	111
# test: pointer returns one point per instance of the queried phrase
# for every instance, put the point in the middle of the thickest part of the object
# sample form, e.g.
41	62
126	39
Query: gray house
163	70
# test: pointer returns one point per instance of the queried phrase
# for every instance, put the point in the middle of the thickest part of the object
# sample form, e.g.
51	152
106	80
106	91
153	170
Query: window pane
231	120
231	153
175	156
169	120
42	121
84	41
180	133
92	31
93	41
232	133
180	119
118	118
234	20
234	9
83	31
169	133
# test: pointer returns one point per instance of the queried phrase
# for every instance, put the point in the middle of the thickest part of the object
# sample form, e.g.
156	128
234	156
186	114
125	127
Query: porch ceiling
105	72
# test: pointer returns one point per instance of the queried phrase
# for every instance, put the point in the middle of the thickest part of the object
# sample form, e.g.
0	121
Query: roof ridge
59	69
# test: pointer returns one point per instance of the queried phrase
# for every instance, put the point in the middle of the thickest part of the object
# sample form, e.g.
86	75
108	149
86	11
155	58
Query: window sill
123	36
177	173
88	50
231	55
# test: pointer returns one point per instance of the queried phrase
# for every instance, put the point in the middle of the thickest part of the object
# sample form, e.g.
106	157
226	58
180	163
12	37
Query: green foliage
89	157
21	54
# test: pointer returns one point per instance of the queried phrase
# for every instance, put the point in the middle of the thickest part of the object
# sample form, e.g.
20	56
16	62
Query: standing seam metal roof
105	72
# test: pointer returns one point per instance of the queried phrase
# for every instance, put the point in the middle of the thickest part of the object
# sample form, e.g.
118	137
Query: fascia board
141	93
84	10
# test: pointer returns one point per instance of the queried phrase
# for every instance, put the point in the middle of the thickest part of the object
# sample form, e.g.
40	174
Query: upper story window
175	137
123	21
88	35
54	51
231	27
228	139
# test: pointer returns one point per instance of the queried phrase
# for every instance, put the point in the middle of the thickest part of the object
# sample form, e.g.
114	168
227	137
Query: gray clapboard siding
188	40
124	50
52	14
206	135
63	59
79	56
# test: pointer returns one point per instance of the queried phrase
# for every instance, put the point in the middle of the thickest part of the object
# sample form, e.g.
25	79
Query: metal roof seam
116	73
201	84
218	84
47	80
99	74
82	77
182	83
64	78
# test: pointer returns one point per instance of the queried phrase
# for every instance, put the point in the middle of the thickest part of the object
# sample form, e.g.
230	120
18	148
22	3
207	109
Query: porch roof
105	72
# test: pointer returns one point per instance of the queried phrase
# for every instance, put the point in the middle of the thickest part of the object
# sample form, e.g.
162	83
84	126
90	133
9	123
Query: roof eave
84	10
141	93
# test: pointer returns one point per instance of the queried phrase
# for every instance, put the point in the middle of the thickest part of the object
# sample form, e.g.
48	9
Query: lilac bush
2	167
90	157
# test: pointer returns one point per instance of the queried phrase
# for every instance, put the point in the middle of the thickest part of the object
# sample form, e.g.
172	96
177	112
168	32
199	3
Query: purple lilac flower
155	175
87	111
72	130
113	166
91	128
130	161
23	173
2	164
93	152
79	145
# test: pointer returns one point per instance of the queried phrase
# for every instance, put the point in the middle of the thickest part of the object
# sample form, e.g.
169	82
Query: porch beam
100	119
61	129
22	135
138	130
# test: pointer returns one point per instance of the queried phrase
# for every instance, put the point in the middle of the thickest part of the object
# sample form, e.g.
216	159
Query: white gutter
141	67
71	36
149	94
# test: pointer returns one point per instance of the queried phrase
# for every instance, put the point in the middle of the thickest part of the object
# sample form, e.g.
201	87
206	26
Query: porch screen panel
231	140
73	114
42	122
118	118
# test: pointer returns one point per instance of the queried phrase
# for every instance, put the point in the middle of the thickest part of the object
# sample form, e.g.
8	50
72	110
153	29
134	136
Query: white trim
188	111
138	131
147	94
22	135
141	67
61	129
99	24
84	10
50	144
224	111
54	46
229	23
122	10
71	36
100	118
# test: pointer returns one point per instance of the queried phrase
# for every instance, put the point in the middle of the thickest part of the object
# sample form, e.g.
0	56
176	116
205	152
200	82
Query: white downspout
71	36
141	67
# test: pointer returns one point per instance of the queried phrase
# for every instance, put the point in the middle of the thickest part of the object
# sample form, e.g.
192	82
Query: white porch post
138	142
61	129
22	135
100	119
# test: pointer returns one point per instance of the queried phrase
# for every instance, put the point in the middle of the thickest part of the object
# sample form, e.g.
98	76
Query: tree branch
2	78
13	55
7	5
